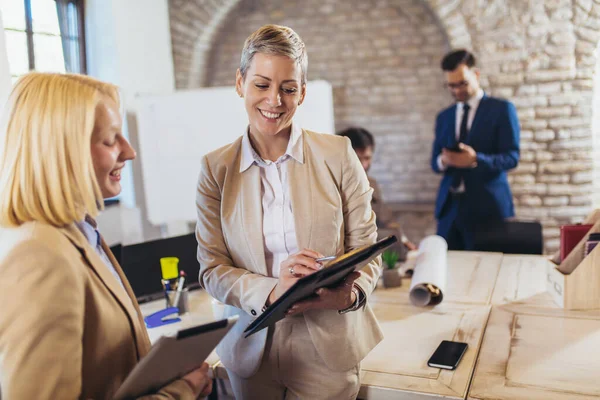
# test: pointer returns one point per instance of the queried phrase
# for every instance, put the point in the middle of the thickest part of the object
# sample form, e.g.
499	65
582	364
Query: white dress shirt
93	237
279	228
473	103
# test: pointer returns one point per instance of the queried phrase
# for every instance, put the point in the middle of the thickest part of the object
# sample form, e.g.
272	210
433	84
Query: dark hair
359	137
453	59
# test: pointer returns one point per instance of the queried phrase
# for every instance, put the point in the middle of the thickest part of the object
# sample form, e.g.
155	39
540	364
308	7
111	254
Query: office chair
510	237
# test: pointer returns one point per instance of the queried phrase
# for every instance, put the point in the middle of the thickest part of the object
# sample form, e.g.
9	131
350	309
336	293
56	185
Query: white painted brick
527	90
565	189
544	135
543	155
549	88
571	144
553	112
570	211
549	75
526	135
582	177
530	200
559	123
554	178
580	200
556	201
530	101
564	167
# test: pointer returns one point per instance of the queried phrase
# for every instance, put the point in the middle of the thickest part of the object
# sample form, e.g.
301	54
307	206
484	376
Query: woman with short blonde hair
269	205
70	325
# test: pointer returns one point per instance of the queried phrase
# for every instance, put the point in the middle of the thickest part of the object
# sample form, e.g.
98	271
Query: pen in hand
328	258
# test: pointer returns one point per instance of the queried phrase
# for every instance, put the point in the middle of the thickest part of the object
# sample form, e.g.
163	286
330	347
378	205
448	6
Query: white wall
129	44
5	82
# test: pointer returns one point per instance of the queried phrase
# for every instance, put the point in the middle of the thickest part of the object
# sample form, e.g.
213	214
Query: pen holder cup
183	303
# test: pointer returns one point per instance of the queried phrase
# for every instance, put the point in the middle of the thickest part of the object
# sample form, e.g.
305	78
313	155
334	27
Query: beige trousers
291	368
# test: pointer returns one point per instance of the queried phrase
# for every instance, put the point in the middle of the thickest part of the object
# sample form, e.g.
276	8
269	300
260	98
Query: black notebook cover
334	273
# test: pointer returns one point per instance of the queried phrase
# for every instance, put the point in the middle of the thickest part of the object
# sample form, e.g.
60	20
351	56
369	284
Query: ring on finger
292	272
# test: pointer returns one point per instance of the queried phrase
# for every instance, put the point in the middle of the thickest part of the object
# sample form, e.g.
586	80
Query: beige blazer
67	328
331	202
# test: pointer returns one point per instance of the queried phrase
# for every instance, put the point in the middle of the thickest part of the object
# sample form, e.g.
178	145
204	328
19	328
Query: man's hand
338	297
465	158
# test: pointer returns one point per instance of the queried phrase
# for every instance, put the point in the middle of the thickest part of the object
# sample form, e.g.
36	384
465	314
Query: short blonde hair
275	40
46	168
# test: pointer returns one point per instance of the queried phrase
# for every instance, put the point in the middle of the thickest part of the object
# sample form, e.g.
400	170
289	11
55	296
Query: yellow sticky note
169	267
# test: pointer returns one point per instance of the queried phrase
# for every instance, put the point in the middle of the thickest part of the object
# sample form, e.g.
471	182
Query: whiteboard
176	130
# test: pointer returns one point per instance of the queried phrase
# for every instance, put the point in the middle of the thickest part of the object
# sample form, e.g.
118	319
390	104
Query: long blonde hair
46	168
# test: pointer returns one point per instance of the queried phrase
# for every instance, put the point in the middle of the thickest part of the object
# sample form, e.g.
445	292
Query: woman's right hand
199	381
293	268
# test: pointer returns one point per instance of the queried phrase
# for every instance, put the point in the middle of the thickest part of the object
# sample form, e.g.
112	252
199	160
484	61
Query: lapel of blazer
252	216
452	140
481	110
141	337
299	181
125	298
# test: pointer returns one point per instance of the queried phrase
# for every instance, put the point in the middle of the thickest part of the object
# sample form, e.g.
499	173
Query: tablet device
170	358
329	276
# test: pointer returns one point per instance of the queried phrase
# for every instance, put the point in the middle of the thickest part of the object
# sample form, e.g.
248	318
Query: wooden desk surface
540	353
522	344
471	279
200	313
399	363
522	280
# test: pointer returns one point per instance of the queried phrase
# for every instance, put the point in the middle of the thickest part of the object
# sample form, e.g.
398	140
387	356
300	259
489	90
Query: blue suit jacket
494	135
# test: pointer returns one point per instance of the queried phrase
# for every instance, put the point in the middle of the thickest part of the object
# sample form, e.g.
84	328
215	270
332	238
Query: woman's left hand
338	297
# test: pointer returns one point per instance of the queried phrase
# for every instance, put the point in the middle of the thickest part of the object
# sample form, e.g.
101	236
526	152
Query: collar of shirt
294	150
473	101
90	232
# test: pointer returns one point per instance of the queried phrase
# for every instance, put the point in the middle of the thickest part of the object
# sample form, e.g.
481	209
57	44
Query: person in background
70	326
363	144
476	143
270	204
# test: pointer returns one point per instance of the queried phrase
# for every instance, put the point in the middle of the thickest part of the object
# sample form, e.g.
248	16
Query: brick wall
382	58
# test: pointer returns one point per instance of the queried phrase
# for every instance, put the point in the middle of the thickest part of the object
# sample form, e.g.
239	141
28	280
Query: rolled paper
429	275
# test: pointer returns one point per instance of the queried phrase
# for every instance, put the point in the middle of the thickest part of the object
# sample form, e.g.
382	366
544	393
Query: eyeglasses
457	85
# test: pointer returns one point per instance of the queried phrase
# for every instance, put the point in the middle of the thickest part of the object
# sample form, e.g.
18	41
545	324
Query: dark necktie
457	178
463	124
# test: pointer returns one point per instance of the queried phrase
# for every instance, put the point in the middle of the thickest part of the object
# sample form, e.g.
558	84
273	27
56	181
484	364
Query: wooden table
532	349
521	345
397	367
200	313
471	280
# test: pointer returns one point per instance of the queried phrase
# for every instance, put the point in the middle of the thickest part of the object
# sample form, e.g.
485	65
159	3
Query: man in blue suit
476	142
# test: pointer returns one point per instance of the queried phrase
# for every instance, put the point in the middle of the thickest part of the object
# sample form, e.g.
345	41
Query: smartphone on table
447	355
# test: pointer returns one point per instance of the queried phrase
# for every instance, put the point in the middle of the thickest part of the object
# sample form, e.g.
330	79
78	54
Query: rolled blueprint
429	276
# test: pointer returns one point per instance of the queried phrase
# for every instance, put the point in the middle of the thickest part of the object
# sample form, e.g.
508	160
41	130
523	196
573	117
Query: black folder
334	273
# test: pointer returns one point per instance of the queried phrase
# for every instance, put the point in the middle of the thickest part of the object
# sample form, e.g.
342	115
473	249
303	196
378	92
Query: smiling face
109	148
272	91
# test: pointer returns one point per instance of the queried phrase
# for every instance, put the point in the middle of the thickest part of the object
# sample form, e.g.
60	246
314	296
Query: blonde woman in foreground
70	325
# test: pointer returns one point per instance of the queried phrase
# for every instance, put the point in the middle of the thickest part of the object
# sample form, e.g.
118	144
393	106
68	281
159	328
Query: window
44	35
